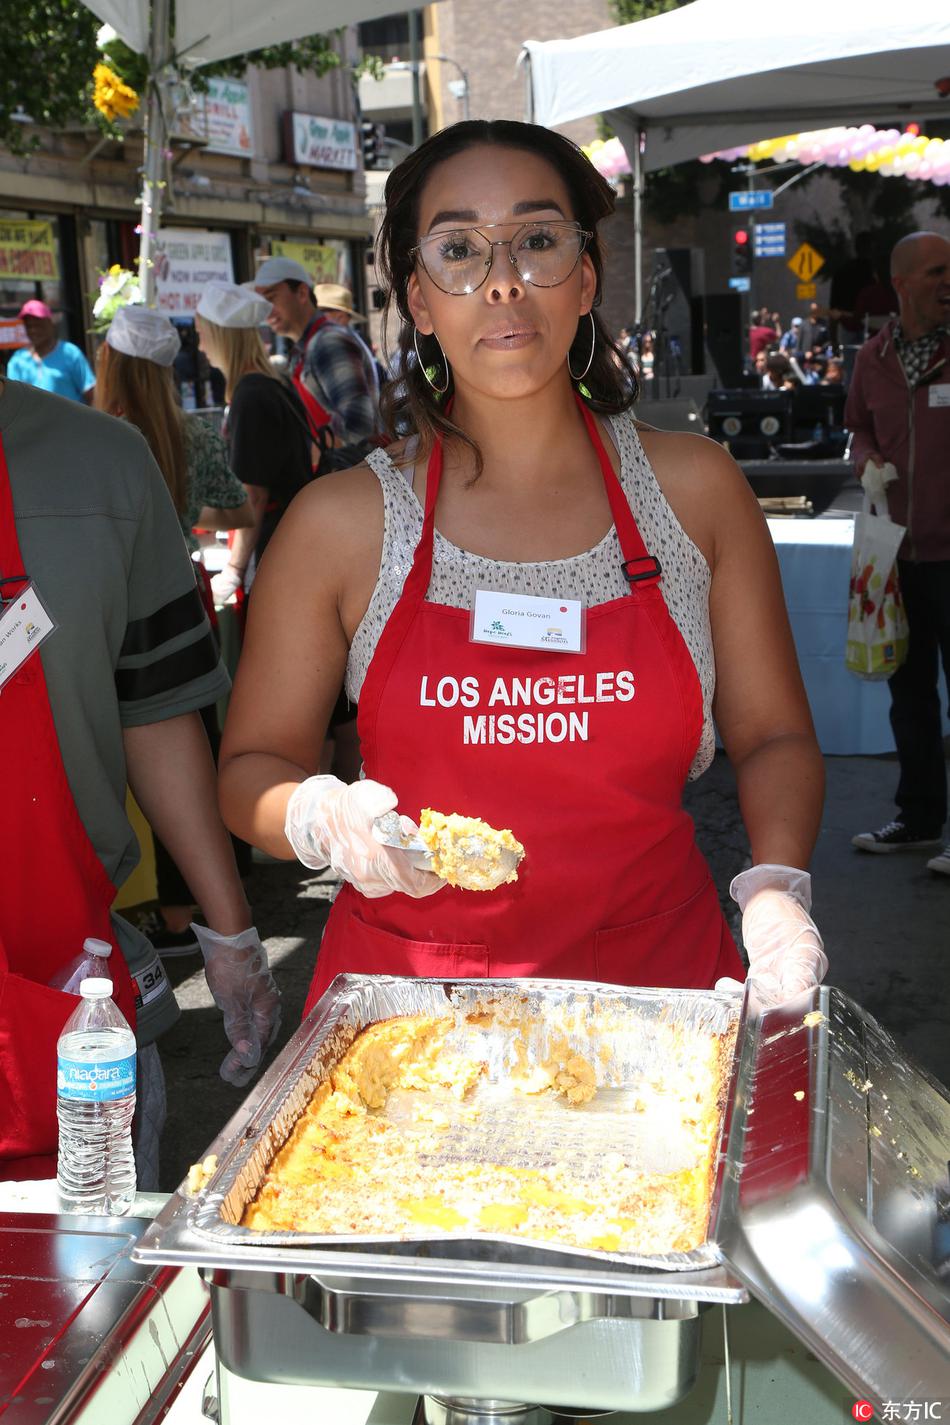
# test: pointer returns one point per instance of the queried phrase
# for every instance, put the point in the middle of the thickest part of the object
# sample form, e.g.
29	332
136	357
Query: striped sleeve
169	661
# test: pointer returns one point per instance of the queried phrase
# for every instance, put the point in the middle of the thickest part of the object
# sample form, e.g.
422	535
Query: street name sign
746	198
769	239
740	284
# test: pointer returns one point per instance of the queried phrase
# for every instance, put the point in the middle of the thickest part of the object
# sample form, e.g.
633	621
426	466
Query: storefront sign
186	260
321	143
321	261
224	120
12	333
27	251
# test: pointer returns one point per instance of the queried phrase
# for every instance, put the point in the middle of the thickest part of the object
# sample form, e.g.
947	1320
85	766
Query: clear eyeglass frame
418	251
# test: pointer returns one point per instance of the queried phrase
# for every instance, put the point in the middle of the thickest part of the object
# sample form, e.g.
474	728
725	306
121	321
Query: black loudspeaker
678	278
722	323
751	423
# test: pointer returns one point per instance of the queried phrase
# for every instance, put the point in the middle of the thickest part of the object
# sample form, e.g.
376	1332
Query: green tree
627	11
47	55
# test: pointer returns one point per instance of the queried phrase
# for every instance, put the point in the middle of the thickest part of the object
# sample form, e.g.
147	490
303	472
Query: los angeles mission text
541	698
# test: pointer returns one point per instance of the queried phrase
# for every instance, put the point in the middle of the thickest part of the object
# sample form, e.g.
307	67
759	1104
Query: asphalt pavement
885	921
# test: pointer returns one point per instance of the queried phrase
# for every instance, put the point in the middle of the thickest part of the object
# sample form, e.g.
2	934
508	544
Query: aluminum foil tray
623	1029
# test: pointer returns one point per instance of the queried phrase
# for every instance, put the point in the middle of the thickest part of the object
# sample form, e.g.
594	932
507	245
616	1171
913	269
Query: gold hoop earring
593	343
439	390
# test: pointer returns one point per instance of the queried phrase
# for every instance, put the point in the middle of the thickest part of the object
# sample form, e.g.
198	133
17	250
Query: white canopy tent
209	30
205	31
719	73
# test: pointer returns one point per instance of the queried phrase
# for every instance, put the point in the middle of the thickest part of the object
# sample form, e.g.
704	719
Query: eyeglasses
544	254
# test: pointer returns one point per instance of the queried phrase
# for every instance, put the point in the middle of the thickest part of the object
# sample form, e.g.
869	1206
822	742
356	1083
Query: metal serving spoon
474	873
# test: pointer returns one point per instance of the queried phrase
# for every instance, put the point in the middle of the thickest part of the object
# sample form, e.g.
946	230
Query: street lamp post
457	87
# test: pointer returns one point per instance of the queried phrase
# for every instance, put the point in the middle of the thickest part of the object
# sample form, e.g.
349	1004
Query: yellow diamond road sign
806	262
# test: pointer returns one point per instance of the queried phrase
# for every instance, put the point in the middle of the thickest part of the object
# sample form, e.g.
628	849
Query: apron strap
638	566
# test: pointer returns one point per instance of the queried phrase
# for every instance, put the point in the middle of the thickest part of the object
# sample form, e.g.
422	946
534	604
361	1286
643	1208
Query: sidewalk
885	921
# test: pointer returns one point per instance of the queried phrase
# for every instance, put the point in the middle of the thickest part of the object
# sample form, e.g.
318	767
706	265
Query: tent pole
158	43
638	223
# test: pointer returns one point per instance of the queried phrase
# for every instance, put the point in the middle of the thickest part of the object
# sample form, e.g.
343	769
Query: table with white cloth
851	714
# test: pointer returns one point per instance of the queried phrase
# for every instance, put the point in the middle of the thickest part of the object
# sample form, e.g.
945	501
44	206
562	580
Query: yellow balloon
858	165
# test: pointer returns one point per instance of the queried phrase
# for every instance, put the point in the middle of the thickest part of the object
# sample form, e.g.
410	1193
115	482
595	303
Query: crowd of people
505	457
781	358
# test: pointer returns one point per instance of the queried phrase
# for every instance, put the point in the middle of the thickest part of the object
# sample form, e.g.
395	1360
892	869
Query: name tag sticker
523	621
939	395
24	624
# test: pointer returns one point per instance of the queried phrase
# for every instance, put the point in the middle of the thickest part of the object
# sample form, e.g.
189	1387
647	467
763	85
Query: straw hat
334	297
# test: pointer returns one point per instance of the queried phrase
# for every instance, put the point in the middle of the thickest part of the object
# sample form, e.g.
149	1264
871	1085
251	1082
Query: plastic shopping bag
877	622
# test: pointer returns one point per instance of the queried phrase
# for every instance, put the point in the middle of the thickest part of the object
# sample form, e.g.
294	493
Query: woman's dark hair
409	402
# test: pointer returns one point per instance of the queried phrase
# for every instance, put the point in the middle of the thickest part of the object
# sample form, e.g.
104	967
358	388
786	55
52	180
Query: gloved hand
245	992
786	953
226	583
330	823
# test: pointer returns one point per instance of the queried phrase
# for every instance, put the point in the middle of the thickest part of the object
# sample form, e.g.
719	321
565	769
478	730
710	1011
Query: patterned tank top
595	576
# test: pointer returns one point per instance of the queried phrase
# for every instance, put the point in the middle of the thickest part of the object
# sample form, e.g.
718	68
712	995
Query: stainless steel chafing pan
827	1207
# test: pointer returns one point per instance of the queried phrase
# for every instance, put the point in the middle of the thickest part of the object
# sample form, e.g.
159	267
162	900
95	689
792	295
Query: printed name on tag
24	624
524	621
939	395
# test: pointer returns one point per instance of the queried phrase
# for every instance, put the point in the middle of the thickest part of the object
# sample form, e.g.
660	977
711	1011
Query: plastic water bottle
92	963
95	1100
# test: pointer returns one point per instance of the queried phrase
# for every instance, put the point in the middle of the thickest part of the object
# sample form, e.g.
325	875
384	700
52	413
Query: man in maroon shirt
899	412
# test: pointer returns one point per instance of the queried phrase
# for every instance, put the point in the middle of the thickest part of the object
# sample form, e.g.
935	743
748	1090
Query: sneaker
895	836
940	863
168	943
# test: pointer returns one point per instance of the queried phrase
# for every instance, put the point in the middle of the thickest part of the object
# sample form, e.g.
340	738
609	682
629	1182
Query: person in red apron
43	846
56	890
580	738
334	372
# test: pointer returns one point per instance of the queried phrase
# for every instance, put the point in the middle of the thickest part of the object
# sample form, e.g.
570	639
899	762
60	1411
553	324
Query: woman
266	426
535	479
134	381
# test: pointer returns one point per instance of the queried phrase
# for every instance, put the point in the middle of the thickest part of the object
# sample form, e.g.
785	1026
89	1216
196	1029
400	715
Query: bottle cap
95	988
100	948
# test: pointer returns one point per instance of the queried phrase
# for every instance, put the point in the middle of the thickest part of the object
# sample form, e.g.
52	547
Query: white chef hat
138	331
228	305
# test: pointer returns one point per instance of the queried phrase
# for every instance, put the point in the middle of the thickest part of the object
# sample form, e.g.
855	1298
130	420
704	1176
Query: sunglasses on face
543	254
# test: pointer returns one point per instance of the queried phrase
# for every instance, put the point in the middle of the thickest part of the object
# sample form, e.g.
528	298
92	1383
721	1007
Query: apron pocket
370	950
677	948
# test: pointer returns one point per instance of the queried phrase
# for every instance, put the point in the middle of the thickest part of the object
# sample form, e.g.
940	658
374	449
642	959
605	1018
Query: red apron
318	417
54	893
583	755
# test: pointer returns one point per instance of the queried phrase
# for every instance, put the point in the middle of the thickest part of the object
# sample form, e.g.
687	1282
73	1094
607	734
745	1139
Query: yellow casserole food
408	1136
469	853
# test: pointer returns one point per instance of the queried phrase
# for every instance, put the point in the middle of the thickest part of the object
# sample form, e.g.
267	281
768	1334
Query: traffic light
372	138
741	253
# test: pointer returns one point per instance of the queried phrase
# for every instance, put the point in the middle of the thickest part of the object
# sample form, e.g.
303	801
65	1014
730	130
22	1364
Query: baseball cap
281	269
35	308
228	305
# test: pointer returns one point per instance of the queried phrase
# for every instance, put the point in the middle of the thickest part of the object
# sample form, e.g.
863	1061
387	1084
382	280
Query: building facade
269	161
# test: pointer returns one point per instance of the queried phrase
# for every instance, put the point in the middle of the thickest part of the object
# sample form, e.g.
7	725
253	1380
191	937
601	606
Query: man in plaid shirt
331	368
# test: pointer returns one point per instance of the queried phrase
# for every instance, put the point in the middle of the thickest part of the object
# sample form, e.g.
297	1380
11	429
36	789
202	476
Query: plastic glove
330	823
786	953
247	995
226	583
